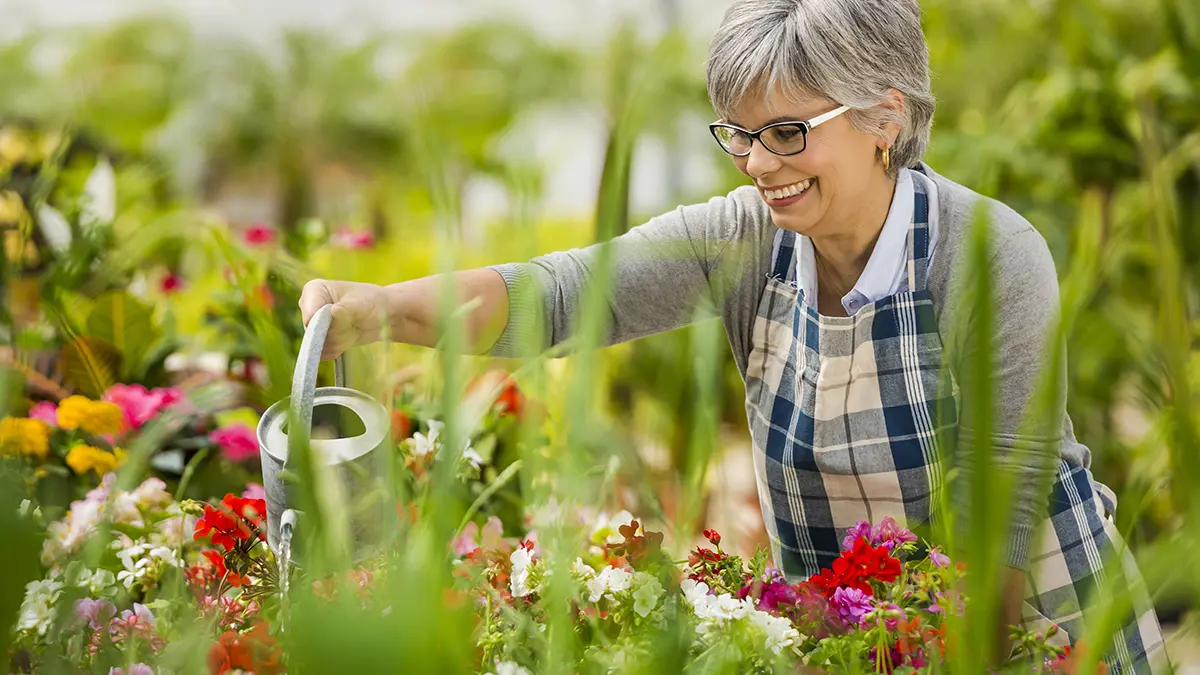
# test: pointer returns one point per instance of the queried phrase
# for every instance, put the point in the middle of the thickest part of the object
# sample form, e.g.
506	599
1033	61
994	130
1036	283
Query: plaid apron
844	414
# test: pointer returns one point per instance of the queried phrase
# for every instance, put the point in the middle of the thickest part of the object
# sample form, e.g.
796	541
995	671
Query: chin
798	225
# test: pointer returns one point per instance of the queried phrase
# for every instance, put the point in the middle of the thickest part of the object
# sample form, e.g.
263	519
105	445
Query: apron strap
783	256
918	236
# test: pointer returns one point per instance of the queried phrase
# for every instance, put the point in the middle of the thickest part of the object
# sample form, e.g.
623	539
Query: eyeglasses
781	138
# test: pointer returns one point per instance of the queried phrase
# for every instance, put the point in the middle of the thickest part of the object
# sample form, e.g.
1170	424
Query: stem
501	481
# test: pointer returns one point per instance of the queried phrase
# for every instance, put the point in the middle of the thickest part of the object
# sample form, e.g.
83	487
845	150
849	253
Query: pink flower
140	404
851	604
939	559
348	238
258	234
237	441
891	535
46	412
493	537
254	491
95	612
861	529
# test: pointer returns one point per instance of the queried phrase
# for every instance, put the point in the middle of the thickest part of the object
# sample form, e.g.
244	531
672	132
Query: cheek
740	163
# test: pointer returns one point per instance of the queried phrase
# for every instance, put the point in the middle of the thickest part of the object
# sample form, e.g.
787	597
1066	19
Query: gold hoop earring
887	159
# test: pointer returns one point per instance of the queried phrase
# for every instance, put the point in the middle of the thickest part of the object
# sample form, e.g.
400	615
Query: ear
893	112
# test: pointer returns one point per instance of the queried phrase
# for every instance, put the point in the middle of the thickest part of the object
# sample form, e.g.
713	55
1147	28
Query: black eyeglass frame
806	127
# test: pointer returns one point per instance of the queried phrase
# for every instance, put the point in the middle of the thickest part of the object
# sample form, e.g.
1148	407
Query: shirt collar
885	273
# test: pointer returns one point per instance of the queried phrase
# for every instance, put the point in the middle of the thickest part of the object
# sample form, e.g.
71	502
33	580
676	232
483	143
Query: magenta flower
890	534
940	560
95	612
258	234
237	441
46	412
861	529
851	605
140	404
254	491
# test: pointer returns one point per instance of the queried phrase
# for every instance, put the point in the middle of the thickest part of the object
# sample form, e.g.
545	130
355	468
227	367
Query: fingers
315	295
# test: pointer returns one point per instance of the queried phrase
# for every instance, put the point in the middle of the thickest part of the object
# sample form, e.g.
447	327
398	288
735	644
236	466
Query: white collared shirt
886	272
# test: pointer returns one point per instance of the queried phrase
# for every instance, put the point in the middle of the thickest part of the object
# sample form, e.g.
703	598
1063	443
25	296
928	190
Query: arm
662	270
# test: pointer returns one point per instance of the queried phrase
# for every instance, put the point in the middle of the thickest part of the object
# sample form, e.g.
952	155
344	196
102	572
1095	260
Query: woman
841	276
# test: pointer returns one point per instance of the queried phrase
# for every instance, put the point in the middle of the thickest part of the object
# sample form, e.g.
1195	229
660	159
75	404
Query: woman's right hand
359	312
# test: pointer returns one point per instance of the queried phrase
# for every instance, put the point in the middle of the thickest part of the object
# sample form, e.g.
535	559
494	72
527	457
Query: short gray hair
849	51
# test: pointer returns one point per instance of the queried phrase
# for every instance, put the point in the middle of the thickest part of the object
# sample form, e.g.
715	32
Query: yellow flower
24	437
105	418
94	417
84	458
72	410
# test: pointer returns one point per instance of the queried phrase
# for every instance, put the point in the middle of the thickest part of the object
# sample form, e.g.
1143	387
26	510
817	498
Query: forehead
763	106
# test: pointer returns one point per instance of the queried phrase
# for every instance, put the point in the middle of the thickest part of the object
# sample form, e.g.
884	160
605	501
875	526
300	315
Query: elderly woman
842	276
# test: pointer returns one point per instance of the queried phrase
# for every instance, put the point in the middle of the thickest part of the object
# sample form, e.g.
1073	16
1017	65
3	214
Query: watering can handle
304	379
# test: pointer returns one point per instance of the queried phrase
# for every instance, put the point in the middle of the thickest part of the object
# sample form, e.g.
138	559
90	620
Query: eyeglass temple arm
821	119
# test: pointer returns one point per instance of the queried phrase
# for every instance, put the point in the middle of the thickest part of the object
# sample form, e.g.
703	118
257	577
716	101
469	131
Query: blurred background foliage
1083	115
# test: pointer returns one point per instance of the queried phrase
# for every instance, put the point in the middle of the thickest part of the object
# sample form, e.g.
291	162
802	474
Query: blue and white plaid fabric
844	411
844	414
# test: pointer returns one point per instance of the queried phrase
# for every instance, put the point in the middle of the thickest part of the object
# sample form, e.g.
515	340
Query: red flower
401	425
237	519
254	651
510	401
222	572
857	568
170	284
713	536
258	234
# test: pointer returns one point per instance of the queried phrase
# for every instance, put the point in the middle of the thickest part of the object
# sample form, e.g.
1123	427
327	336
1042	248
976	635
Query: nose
761	161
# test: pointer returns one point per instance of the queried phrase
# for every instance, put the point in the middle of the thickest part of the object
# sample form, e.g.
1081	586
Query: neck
845	252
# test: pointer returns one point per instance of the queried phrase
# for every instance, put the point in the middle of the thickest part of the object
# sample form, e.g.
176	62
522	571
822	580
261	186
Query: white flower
423	445
610	580
779	630
645	598
68	535
472	457
152	493
37	609
582	570
509	668
125	510
519	579
96	582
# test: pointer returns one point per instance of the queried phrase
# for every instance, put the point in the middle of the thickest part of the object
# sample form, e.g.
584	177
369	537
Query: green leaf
128	324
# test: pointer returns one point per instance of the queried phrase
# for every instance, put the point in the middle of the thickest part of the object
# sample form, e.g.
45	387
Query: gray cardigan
717	255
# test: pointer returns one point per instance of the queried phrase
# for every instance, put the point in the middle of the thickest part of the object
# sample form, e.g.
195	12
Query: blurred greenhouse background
377	140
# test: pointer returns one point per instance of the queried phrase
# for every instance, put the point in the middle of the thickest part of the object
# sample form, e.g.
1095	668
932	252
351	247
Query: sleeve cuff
522	312
1016	551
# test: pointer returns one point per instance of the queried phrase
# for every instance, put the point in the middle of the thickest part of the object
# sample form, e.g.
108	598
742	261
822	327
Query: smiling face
822	191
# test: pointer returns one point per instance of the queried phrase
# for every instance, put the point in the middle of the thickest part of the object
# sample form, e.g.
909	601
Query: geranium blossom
139	405
238	442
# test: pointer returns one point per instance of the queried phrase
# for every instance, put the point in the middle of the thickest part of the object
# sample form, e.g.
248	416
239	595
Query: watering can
353	464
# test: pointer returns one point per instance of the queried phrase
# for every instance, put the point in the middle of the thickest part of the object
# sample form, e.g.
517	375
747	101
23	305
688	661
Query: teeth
790	190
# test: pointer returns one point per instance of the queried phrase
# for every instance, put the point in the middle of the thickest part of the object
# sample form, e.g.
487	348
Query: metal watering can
353	467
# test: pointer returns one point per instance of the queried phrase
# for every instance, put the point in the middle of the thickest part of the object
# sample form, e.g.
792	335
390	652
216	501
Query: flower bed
129	574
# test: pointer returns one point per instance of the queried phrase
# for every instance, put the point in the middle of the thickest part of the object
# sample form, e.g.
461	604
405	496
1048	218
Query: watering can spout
348	468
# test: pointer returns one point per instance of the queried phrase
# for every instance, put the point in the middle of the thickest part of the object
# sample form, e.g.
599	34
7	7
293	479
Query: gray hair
849	51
